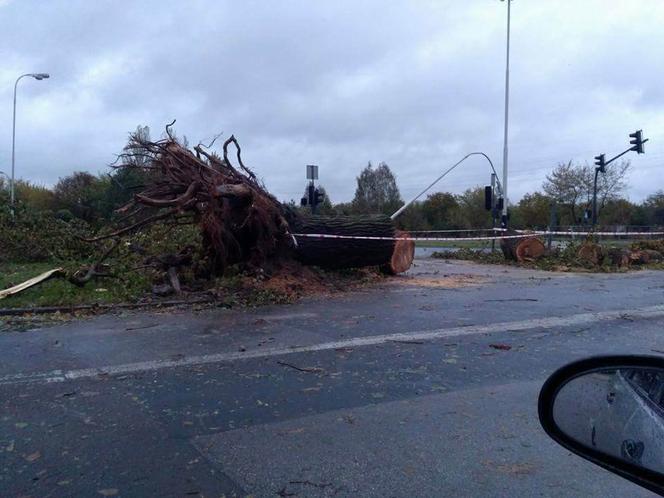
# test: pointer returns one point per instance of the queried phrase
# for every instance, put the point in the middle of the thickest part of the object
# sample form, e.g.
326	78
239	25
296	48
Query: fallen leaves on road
302	369
33	456
512	468
502	347
108	491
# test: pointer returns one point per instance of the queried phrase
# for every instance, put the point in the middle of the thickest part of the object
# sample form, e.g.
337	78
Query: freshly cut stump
521	250
619	257
393	256
591	253
645	256
529	249
402	256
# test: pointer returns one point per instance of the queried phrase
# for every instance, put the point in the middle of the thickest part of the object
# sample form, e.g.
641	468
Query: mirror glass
619	412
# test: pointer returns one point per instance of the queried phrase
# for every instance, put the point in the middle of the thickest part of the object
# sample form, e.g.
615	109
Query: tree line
566	195
566	192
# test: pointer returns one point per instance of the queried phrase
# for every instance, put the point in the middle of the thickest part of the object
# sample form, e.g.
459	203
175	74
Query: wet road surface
425	385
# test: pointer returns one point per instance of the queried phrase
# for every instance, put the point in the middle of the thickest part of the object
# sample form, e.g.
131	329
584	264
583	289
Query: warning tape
522	234
465	230
430	239
619	234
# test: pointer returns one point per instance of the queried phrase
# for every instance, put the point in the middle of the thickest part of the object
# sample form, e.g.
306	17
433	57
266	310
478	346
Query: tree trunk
591	253
525	249
393	256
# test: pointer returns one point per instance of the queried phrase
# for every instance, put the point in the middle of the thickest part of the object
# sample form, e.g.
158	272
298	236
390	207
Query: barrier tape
523	234
622	234
465	230
430	239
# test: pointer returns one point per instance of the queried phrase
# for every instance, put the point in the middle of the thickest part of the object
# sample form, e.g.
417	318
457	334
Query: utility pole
507	105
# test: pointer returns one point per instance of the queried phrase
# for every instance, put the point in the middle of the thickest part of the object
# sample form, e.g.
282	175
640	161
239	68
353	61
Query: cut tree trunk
619	256
393	256
521	250
591	253
645	256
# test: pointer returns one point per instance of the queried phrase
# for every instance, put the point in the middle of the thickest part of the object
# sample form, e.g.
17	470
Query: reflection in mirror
619	412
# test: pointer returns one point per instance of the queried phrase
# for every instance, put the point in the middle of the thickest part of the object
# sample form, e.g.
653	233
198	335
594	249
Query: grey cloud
336	83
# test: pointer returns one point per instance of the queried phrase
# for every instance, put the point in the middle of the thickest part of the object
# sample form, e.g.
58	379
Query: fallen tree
240	222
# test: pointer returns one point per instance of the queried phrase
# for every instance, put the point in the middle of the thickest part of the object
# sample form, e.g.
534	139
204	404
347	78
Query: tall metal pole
37	76
507	102
11	183
594	214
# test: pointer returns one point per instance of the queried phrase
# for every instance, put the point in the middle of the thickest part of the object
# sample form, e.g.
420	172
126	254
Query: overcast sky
338	83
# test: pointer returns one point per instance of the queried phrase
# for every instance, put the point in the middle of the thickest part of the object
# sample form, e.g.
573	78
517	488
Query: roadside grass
58	291
235	289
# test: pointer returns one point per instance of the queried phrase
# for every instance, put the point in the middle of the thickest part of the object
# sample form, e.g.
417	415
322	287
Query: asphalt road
396	390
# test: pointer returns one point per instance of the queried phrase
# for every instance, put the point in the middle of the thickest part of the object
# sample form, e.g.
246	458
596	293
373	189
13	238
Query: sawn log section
393	256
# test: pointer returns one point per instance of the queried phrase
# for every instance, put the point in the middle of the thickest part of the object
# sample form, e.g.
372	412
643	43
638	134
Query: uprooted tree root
240	221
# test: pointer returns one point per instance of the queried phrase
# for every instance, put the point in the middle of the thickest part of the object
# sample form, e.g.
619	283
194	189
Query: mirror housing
599	366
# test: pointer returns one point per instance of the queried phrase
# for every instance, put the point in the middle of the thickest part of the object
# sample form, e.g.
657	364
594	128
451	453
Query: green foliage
533	211
376	191
654	208
39	237
84	195
470	212
58	291
439	211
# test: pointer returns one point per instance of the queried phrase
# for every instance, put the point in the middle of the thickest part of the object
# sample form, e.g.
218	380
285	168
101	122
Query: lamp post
507	102
448	170
38	77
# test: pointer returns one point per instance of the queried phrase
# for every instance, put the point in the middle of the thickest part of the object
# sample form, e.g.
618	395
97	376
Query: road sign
312	172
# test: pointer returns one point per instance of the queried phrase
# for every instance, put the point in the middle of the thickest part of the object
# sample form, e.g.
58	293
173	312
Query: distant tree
572	186
376	191
34	197
610	185
84	195
532	211
344	208
438	210
470	212
567	185
132	153
413	218
618	212
654	208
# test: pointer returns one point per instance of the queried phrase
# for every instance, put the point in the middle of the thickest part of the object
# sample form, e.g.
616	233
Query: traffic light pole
638	147
597	170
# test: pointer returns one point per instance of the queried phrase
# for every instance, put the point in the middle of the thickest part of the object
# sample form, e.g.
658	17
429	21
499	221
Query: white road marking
373	340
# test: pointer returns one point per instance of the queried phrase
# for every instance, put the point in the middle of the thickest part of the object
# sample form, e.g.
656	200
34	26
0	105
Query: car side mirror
610	410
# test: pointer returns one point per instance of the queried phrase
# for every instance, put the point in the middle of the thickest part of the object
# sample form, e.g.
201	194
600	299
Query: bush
40	237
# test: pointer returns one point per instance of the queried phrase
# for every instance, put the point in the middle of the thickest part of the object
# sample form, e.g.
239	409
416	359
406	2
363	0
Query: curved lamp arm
403	208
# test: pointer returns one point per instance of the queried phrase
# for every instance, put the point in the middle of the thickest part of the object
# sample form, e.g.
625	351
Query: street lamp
38	77
507	103
501	191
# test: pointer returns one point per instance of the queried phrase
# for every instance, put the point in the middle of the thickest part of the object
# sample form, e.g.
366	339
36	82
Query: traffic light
637	141
600	162
311	194
488	197
304	201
